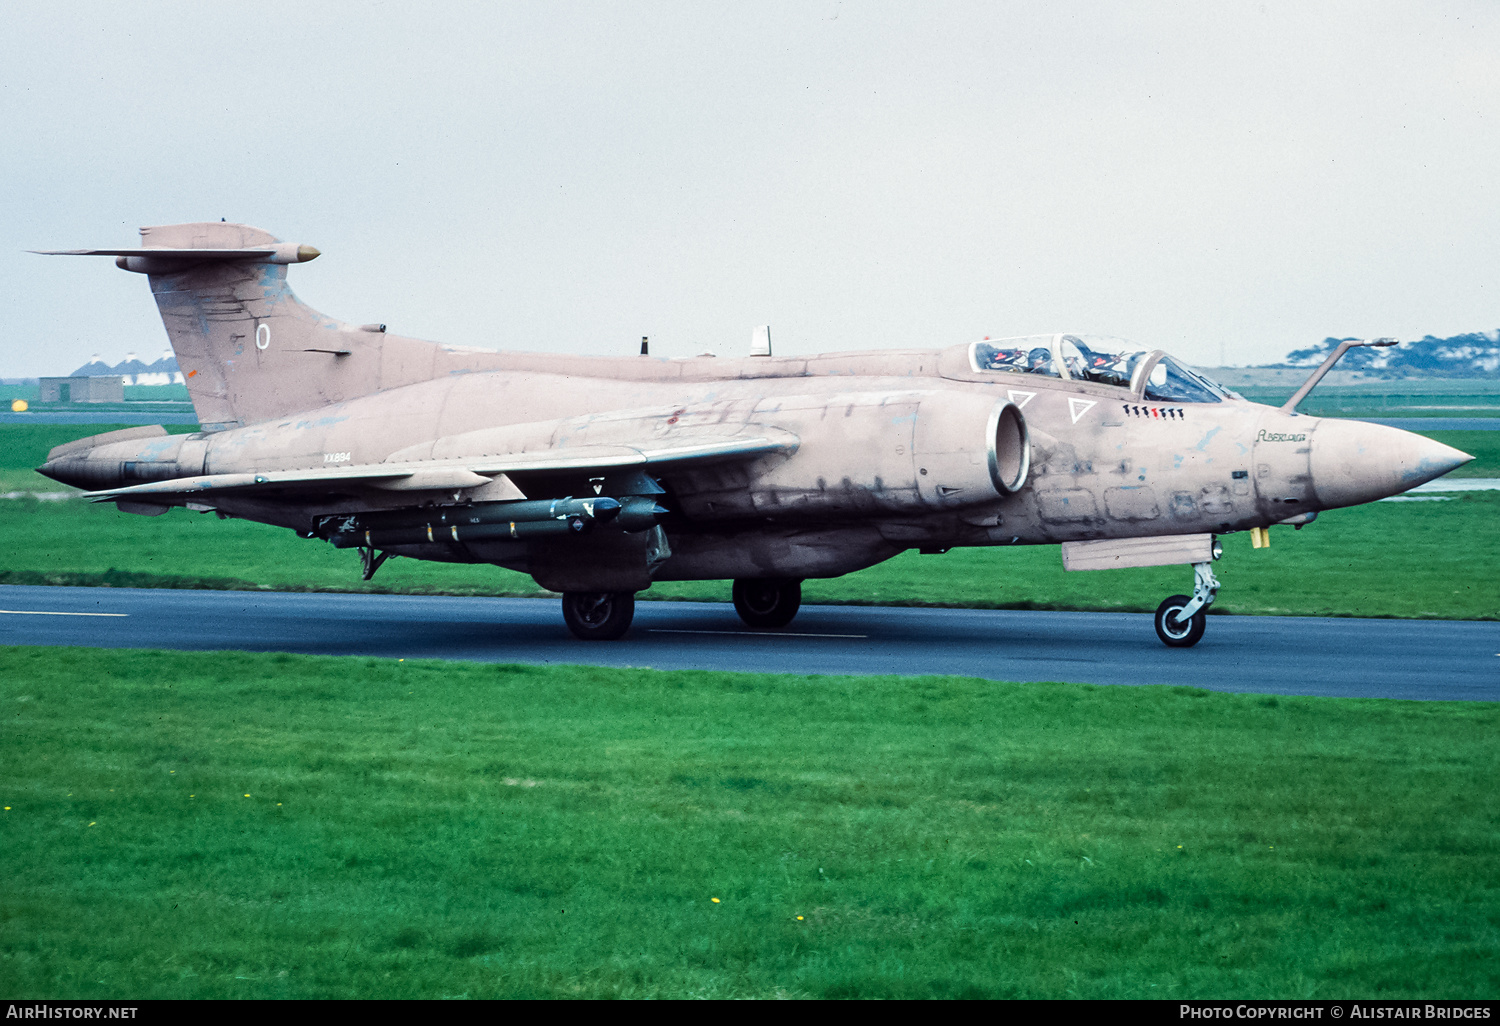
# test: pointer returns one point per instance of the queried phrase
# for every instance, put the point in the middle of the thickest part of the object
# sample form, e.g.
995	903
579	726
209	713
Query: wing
464	472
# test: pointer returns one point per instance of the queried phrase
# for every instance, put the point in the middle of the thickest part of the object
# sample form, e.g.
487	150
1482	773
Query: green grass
1445	557
234	825
1409	397
1484	446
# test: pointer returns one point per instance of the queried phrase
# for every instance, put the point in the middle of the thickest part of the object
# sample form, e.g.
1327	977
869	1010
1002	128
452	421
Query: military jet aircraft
598	476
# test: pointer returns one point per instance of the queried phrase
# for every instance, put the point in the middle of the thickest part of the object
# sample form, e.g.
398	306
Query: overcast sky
1229	178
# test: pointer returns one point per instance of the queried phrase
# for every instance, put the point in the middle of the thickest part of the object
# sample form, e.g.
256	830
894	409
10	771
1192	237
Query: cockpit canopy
1148	373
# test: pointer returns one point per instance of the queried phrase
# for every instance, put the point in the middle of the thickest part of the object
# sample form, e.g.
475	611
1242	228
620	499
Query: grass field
1444	556
234	825
1420	397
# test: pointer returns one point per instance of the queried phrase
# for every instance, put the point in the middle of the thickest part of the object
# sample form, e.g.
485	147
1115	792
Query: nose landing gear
1180	620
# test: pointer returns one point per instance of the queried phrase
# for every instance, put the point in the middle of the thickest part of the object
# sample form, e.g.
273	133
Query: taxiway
1408	659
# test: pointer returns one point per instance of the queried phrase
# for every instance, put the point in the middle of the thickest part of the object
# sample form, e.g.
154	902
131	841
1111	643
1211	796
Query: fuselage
889	455
598	476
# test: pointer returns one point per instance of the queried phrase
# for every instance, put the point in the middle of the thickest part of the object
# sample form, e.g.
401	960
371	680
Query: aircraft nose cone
1354	462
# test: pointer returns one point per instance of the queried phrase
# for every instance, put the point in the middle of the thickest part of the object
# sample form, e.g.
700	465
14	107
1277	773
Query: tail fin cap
162	260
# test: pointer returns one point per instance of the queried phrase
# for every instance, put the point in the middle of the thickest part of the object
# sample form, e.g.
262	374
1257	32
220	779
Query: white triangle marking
1021	398
1078	407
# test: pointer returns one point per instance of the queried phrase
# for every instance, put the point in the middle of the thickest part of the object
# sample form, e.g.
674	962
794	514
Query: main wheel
767	601
598	615
1174	631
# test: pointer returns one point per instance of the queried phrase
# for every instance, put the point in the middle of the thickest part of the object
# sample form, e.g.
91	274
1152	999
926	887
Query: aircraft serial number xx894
598	476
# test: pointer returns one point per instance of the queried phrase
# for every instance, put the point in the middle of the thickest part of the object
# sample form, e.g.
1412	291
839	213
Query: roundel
262	336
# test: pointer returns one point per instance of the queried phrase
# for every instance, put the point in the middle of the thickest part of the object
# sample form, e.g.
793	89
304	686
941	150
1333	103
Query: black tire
1175	632
767	602
598	615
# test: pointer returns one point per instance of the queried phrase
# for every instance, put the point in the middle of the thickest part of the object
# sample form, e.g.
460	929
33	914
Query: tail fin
248	348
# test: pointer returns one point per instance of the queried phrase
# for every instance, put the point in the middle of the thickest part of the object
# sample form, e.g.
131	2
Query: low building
135	371
96	388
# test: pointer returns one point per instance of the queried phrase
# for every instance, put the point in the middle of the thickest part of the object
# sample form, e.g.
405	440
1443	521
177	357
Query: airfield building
93	389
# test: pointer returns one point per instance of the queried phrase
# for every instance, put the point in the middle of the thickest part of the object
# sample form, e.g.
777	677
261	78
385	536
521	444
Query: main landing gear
598	615
767	602
1180	620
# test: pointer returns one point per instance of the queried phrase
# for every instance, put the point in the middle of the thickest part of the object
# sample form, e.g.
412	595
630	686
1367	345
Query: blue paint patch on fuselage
158	447
330	420
1426	470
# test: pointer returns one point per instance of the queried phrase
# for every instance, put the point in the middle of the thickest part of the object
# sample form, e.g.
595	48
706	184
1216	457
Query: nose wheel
1181	620
1176	630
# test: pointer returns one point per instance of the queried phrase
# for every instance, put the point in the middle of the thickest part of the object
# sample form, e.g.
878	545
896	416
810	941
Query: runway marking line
49	612
755	634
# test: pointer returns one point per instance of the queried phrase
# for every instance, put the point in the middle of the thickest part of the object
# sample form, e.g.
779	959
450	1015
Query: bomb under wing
599	476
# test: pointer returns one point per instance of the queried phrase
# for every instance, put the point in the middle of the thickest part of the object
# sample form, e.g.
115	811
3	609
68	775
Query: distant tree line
1472	355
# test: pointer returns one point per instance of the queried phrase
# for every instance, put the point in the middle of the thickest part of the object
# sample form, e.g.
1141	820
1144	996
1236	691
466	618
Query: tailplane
247	347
